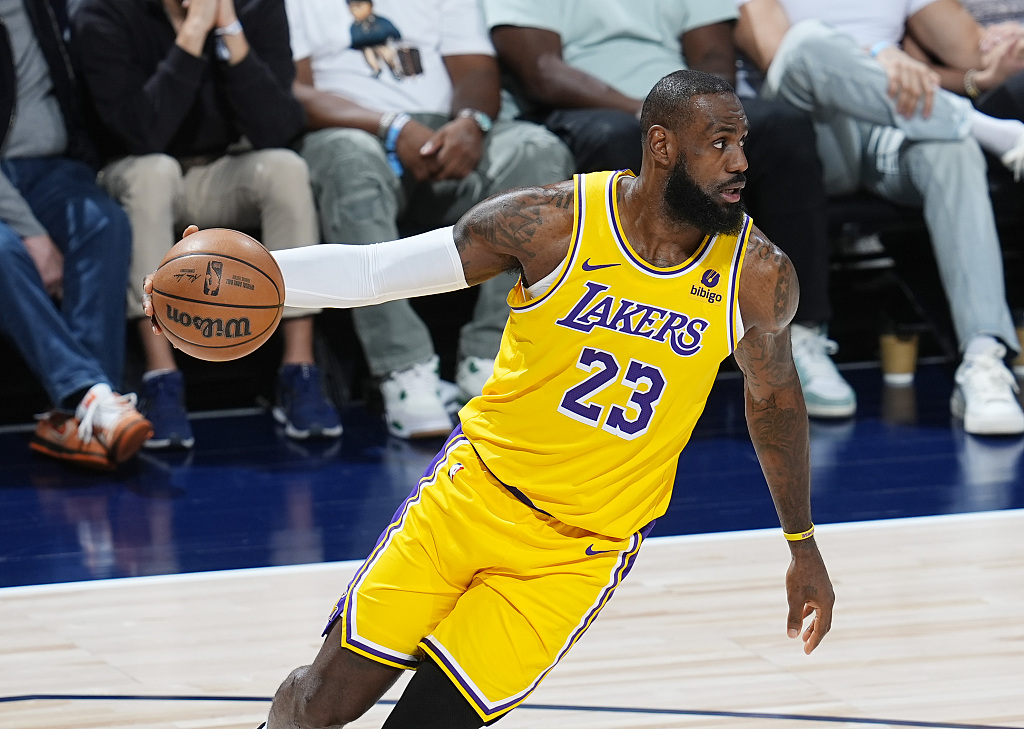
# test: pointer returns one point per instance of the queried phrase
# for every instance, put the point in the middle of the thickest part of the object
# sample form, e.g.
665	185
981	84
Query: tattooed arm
525	230
777	421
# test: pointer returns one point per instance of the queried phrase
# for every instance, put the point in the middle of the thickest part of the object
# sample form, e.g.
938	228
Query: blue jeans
79	342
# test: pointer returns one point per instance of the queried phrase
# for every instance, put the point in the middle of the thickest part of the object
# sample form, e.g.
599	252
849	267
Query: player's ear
661	143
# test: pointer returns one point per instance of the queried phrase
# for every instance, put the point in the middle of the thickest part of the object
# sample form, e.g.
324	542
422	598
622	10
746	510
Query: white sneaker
826	393
1013	160
412	402
471	376
985	395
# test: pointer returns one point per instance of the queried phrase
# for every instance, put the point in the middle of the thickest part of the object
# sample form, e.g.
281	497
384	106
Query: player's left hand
456	148
809	592
147	288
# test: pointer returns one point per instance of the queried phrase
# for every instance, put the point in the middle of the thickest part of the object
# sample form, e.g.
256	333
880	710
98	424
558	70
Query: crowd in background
359	121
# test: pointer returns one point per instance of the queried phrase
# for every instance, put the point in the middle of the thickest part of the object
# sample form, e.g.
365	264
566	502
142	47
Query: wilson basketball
218	294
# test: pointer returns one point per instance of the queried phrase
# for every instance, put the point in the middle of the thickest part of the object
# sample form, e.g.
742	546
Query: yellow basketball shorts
494	591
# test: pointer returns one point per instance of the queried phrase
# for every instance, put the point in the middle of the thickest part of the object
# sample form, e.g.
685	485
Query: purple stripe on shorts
622	568
429	476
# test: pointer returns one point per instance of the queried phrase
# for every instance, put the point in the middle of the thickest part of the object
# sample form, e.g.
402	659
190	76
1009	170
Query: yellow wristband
799	536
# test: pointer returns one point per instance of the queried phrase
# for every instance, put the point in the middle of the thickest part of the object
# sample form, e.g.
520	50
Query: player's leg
431	701
403	589
337	688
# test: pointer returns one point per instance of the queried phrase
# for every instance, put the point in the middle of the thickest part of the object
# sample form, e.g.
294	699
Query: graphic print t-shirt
416	35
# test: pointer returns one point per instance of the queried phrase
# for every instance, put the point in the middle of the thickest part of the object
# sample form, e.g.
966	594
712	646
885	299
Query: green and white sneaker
471	376
826	393
413	407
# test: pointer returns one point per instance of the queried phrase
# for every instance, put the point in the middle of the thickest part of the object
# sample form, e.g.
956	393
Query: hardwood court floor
179	592
928	632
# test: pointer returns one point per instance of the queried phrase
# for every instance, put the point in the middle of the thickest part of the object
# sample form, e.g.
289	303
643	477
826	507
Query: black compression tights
431	701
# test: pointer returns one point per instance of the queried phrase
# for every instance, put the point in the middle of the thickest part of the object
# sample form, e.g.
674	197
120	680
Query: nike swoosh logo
588	266
590	547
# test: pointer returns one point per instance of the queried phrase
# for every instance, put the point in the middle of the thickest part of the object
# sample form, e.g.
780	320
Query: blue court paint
247	496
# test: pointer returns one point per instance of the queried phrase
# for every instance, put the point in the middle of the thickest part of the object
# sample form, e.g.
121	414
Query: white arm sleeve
343	276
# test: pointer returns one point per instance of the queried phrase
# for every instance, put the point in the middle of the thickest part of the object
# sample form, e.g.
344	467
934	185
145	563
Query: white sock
155	373
997	136
981	344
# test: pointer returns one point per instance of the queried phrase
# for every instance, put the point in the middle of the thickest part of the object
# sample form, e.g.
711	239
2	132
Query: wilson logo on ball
211	328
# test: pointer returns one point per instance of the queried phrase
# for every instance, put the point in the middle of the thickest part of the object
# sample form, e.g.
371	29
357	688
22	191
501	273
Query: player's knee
301	702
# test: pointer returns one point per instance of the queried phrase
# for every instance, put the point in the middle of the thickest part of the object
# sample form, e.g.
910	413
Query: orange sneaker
112	420
57	436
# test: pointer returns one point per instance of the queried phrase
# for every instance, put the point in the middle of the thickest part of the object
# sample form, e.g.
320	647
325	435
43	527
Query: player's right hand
147	289
809	593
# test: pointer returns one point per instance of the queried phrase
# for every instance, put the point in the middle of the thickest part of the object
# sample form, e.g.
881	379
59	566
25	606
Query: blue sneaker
163	404
302	407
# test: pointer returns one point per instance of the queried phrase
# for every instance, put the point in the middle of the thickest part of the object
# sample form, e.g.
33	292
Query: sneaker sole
430	429
160	444
831	411
76	457
292	432
130	440
1010	425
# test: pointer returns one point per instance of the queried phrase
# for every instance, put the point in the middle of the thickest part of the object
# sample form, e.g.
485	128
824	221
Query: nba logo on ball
214	269
230	311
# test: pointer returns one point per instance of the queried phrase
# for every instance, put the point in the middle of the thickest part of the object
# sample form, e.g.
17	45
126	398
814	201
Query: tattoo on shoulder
783	292
510	222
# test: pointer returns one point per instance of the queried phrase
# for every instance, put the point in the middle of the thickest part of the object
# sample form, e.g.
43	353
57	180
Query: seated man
61	239
411	148
920	147
994	79
582	69
196	104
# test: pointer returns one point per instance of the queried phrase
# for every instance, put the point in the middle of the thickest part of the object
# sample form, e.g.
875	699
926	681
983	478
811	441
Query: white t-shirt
398	62
629	45
868	21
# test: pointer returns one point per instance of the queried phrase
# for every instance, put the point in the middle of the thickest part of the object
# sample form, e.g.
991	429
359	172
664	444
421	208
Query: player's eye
718	144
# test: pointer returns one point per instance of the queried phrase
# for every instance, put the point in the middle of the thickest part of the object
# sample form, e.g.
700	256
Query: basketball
218	294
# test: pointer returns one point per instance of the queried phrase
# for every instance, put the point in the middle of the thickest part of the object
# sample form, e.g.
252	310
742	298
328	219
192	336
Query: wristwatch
482	120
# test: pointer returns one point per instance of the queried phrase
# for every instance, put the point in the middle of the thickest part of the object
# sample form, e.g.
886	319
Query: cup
899	357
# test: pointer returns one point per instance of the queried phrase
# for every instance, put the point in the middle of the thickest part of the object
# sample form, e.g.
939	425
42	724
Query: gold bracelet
799	536
970	85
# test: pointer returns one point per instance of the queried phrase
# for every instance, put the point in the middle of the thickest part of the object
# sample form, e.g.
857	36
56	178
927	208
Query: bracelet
232	28
386	120
391	141
878	48
970	84
799	536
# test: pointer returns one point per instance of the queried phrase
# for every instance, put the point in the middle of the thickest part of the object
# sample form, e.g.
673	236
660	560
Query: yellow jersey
600	379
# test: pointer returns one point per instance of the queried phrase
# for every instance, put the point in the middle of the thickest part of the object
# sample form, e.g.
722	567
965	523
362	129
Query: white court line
333	566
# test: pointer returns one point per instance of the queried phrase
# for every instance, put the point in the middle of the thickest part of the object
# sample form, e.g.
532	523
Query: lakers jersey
600	380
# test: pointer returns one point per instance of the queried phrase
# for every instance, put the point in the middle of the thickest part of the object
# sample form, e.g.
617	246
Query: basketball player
632	291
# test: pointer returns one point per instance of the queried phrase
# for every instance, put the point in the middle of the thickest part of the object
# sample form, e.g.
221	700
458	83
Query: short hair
669	103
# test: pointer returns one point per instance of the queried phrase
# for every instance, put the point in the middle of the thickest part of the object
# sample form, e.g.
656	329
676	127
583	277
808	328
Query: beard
688	203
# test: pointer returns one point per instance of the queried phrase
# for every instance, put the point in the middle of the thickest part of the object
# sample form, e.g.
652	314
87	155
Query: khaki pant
265	191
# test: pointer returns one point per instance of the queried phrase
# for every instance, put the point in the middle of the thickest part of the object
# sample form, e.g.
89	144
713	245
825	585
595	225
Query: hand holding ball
218	294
